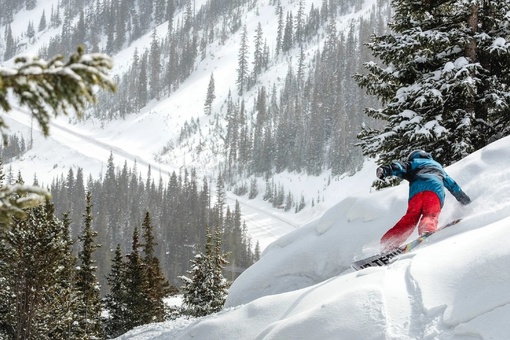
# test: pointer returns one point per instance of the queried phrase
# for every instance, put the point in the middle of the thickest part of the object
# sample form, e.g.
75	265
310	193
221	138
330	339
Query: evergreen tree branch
48	88
54	86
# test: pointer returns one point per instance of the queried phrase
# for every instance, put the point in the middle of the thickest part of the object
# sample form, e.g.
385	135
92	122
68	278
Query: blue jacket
425	174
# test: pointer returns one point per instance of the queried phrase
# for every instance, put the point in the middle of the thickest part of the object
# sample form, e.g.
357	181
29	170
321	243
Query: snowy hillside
141	137
146	135
455	286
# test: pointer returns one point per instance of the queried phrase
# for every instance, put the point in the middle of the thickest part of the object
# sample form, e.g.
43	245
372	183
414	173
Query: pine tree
110	27
205	290
210	96
254	190
155	66
300	22
242	62
221	197
156	285
30	30
188	15
443	81
133	81
121	18
279	35
288	33
135	279
169	13
89	309
65	308
258	57
10	51
36	272
42	22
142	94
116	299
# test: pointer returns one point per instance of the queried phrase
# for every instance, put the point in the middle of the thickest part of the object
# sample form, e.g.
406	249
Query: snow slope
455	286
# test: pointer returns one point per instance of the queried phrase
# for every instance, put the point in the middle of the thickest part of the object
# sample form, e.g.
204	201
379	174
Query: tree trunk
472	22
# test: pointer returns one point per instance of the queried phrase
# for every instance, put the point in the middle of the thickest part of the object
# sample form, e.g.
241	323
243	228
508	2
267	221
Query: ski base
386	258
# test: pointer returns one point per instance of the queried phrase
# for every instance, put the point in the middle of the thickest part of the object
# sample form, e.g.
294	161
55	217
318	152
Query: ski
386	258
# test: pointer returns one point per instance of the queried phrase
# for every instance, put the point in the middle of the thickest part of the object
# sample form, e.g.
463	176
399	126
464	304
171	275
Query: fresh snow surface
454	286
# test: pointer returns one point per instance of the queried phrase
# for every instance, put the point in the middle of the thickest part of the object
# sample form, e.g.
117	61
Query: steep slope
452	287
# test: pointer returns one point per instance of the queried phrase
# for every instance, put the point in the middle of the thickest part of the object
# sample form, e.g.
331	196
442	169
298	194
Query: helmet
418	154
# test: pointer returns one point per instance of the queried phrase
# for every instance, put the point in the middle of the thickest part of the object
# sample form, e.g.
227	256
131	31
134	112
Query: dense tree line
51	285
48	292
311	122
180	210
160	69
155	71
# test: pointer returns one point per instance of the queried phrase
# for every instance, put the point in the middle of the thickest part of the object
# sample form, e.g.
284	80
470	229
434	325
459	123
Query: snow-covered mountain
453	287
144	136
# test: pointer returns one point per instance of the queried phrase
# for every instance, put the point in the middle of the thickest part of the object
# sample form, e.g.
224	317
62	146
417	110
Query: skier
427	180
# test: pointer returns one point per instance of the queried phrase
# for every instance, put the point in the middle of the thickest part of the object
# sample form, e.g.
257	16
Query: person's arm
398	169
455	190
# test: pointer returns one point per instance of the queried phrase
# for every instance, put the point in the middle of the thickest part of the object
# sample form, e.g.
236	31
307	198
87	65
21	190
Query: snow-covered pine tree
115	300
155	67
88	321
443	80
258	53
64	308
36	278
220	283
205	290
54	86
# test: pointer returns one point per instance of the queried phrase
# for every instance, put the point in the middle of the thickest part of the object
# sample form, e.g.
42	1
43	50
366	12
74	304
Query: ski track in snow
71	138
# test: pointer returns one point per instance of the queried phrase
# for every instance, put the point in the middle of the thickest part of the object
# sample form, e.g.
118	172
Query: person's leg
405	227
431	209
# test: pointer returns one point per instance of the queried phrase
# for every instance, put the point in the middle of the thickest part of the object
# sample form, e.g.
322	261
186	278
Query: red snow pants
426	205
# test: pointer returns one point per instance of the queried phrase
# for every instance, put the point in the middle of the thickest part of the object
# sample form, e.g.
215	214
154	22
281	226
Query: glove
463	198
382	172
